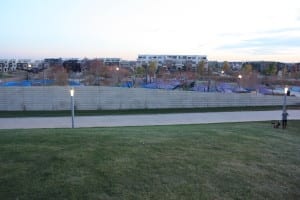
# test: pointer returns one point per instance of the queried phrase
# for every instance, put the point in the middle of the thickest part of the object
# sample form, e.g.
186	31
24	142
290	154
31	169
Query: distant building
236	65
175	62
73	65
295	67
3	65
10	65
111	61
127	64
48	62
23	64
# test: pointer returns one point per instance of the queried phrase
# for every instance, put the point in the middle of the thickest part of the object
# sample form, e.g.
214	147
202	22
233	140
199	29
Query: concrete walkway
143	120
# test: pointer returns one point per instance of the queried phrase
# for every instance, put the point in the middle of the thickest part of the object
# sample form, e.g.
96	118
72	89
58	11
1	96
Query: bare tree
251	80
152	69
285	72
200	69
140	71
94	70
59	74
122	74
226	67
163	73
247	69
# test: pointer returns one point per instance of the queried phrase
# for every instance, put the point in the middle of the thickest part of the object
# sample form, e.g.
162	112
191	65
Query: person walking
284	119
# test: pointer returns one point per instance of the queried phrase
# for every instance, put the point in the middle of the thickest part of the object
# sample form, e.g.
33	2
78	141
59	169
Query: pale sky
233	30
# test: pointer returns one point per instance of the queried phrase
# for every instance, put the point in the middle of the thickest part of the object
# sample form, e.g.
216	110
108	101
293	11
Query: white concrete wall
113	98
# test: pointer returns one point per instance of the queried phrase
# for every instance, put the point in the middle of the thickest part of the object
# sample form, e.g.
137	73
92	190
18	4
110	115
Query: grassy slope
214	161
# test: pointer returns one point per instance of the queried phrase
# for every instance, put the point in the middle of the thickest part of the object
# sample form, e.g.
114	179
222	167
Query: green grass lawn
213	161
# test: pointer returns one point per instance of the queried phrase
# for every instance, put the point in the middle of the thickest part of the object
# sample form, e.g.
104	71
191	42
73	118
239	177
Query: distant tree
59	74
200	69
295	75
96	70
247	69
226	67
123	73
107	71
272	69
163	73
152	67
285	72
188	75
140	71
250	80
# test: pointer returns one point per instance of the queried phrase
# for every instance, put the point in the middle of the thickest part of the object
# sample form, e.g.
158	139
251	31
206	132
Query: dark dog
276	124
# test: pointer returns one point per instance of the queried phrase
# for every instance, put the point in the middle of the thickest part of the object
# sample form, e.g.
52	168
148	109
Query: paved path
142	120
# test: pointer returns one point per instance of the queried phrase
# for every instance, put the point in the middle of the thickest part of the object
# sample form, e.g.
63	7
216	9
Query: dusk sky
233	30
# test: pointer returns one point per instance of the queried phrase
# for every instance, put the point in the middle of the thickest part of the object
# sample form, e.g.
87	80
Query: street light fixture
72	92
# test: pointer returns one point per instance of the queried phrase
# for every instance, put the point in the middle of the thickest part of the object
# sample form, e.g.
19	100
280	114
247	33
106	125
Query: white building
10	65
3	65
111	61
175	61
24	64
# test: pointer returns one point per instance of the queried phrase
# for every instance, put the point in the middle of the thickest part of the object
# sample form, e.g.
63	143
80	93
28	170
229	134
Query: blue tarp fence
162	85
27	83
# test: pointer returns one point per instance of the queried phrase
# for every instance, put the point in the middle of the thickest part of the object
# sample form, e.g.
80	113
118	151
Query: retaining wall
114	98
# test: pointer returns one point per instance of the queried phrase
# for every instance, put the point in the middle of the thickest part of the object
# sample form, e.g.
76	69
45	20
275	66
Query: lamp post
72	91
117	69
44	81
284	99
28	69
240	78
